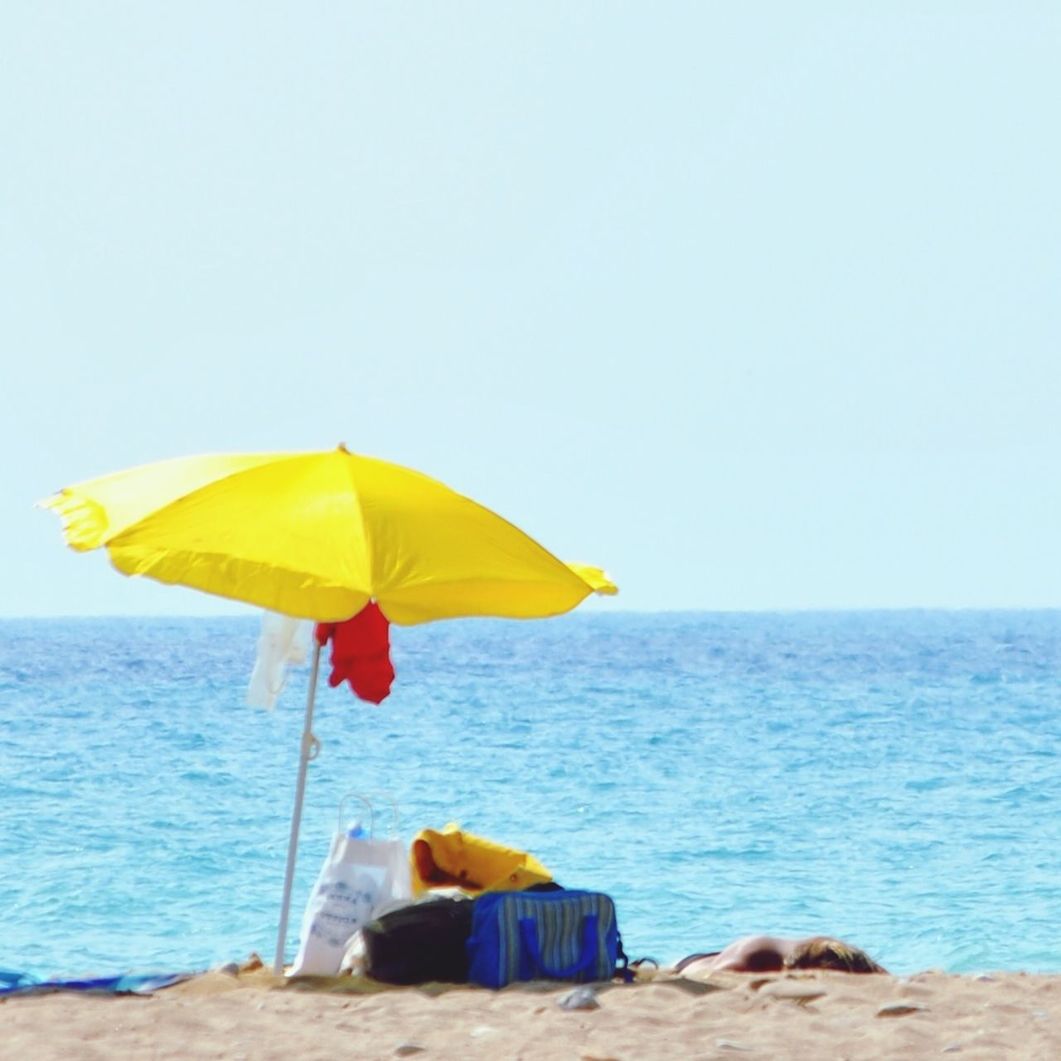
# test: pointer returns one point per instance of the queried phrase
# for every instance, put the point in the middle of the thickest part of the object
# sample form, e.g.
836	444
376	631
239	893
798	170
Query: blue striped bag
547	935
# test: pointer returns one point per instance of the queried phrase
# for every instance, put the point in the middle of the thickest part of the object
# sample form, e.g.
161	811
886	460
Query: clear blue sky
755	305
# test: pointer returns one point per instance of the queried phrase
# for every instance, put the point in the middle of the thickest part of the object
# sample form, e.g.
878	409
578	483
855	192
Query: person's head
821	952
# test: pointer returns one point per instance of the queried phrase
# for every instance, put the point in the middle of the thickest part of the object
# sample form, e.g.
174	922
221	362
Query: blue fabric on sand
16	983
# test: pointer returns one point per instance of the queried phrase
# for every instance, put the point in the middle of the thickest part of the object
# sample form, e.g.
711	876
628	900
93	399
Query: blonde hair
821	952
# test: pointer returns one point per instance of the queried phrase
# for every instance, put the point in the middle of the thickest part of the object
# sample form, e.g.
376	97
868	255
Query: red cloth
360	653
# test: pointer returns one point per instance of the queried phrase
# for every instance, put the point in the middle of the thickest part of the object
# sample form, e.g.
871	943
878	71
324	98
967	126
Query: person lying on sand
772	954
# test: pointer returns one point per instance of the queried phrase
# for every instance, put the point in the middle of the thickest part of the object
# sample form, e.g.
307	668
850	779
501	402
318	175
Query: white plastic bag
359	877
282	641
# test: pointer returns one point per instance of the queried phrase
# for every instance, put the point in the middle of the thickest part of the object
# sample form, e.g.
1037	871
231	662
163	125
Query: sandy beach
815	1014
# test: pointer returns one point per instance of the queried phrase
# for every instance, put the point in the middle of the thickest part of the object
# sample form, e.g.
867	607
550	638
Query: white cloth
282	641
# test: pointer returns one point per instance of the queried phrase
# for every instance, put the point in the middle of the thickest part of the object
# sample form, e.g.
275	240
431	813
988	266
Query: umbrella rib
351	468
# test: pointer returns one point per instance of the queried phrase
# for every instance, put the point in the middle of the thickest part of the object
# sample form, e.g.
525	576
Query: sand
815	1014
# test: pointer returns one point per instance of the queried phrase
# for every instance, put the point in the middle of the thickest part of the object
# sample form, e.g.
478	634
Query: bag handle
368	804
528	930
371	812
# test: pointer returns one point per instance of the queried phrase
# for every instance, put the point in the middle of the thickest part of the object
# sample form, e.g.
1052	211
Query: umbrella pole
307	753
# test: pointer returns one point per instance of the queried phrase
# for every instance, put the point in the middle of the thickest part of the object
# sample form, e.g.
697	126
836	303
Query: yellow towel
452	857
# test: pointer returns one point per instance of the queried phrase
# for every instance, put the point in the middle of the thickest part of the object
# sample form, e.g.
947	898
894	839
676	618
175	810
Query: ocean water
889	777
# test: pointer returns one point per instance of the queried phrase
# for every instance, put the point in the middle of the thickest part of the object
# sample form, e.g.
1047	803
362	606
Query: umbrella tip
342	448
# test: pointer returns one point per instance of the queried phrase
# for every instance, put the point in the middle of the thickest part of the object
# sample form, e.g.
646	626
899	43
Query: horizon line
254	612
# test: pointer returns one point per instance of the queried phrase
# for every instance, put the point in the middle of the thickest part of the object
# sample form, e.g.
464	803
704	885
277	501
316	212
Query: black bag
420	943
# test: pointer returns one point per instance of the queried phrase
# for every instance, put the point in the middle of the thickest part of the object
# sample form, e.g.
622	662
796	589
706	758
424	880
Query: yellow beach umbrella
317	536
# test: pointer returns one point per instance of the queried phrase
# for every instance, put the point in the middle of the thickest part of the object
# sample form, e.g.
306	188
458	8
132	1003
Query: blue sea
892	778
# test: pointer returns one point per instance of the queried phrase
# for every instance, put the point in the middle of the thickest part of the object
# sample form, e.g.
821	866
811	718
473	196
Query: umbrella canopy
317	535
